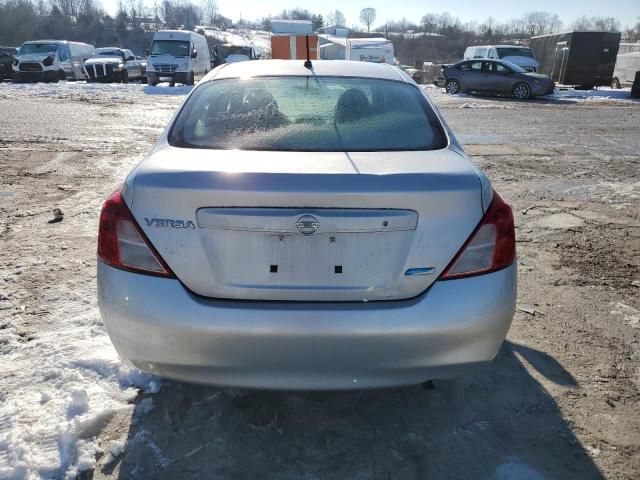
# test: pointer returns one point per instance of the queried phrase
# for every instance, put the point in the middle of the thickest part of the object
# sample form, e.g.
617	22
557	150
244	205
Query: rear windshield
307	114
514	52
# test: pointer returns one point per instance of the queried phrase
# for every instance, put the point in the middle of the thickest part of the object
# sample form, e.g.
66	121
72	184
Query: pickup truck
112	64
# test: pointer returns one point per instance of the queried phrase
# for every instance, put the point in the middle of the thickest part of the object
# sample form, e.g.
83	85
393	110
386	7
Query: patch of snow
116	448
603	94
83	91
59	389
498	106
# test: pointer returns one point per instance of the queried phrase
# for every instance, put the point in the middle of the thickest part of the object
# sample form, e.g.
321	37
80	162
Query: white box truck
51	61
177	56
376	50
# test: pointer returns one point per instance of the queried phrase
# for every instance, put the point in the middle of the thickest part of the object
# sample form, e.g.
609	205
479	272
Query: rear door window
308	114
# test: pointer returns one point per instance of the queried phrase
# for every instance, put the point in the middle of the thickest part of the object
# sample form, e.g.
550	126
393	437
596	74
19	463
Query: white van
51	61
376	50
516	54
627	64
177	56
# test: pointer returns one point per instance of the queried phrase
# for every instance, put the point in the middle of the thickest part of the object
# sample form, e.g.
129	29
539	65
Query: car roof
327	68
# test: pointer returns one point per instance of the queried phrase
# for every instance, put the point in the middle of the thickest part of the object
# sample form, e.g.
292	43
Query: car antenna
307	63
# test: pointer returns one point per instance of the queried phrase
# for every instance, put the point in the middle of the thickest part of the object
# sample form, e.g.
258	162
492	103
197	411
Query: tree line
134	22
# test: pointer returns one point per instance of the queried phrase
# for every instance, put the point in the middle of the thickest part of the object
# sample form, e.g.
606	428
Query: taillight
490	247
122	244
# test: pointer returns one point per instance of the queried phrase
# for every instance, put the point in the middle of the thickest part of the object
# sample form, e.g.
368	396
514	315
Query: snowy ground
560	401
62	381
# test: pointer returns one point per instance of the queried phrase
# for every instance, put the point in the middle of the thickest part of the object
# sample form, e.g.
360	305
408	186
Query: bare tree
607	24
336	18
602	24
368	16
541	23
210	12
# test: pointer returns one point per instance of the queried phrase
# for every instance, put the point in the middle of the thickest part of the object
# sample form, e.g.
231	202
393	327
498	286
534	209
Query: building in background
289	39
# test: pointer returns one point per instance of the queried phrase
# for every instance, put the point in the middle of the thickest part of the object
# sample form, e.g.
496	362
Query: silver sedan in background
307	228
495	76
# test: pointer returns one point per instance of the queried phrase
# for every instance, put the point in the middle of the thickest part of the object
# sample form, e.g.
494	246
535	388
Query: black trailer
584	59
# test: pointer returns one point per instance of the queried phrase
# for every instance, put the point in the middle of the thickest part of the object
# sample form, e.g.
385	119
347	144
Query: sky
627	11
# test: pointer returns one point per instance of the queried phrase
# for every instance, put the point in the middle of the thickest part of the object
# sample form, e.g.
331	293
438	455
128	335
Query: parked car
627	64
7	57
51	61
306	229
495	76
177	56
112	64
516	54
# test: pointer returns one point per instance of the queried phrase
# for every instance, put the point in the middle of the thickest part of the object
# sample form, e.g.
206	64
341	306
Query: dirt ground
560	401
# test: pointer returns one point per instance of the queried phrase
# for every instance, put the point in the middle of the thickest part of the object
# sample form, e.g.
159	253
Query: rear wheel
521	91
615	83
452	86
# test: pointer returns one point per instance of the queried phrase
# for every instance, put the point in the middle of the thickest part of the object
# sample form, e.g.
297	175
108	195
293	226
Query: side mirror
194	54
147	52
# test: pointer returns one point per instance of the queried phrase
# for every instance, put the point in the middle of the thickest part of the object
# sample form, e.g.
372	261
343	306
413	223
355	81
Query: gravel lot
560	401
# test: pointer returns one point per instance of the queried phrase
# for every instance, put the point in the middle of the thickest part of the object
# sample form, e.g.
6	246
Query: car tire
192	79
452	87
521	91
615	83
125	77
61	77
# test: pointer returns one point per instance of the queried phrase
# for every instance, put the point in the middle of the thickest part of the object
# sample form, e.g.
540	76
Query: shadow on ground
496	423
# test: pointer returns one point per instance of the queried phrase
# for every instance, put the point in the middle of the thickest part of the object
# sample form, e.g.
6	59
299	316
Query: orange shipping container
294	47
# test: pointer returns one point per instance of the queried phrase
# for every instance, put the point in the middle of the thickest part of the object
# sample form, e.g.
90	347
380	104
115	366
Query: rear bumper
160	327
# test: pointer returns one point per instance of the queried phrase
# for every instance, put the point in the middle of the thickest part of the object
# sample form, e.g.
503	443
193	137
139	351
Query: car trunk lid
293	226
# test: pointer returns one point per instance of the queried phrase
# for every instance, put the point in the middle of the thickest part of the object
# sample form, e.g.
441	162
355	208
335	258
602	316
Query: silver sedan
307	228
495	76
